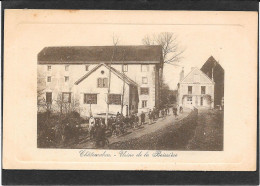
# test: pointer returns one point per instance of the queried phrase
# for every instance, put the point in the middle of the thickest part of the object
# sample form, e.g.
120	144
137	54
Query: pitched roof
210	63
113	70
195	68
100	54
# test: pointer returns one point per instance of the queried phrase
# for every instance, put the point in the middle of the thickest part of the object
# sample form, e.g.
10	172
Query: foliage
53	129
168	97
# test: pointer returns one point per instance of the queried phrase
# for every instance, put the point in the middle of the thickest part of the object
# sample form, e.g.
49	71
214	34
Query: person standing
175	112
136	121
150	116
91	127
153	114
142	118
101	136
113	128
98	134
132	120
126	121
163	113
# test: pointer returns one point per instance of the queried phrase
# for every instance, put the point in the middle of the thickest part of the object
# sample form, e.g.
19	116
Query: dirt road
134	133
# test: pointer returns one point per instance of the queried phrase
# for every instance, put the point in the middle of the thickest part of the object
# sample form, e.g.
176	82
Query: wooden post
122	101
109	82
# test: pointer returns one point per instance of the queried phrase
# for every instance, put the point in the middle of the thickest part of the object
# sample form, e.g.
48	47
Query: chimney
182	74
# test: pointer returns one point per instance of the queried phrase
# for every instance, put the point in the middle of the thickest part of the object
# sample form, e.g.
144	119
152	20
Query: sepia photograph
130	90
135	97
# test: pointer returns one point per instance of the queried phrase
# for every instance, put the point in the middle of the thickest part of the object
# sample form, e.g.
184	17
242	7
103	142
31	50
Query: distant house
216	73
196	89
80	75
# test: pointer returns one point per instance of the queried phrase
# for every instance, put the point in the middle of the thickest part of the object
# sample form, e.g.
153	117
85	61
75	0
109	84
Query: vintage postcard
130	90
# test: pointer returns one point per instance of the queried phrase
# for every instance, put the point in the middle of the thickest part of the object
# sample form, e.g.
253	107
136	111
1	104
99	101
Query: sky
200	41
198	44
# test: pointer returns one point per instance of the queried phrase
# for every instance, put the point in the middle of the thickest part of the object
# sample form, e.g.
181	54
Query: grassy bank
208	134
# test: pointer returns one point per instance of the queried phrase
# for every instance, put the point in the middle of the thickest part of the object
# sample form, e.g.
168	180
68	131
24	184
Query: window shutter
84	98
105	82
99	82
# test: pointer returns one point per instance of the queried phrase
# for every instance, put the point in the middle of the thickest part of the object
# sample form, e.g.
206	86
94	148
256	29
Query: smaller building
216	73
196	89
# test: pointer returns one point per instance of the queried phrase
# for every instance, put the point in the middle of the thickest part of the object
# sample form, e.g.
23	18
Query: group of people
118	125
175	110
97	131
156	113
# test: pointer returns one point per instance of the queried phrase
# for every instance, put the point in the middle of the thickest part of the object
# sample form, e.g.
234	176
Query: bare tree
67	106
60	103
172	52
40	90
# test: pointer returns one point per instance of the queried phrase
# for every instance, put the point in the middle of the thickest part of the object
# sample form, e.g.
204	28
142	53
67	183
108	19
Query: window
48	68
114	99
67	78
90	98
66	97
125	68
102	82
189	89
203	89
144	91
189	98
86	67
48	97
196	78
144	80
49	79
144	68
144	103
66	67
